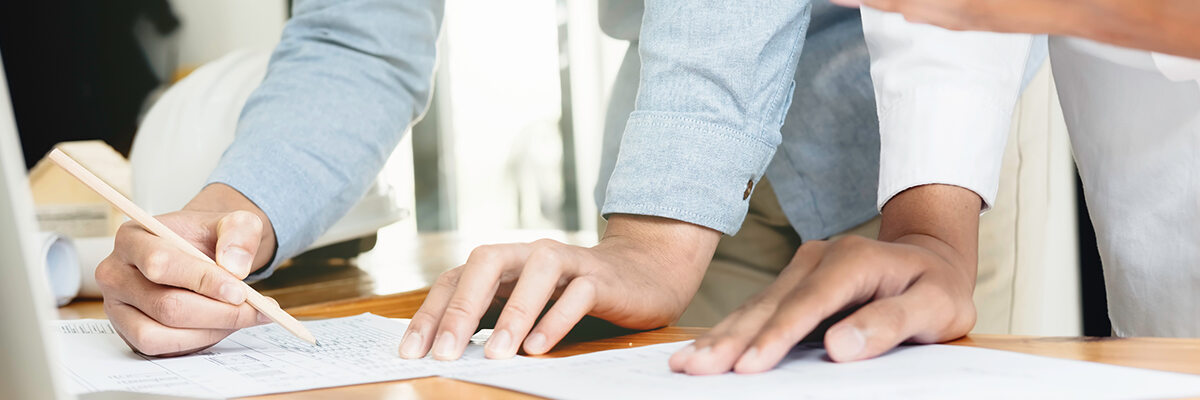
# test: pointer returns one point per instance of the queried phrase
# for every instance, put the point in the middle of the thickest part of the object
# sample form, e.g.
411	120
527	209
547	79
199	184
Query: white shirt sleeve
945	102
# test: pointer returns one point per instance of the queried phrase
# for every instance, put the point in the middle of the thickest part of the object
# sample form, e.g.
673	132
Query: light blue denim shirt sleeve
345	82
715	85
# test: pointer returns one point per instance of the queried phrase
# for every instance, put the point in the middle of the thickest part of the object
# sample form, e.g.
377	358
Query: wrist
943	219
219	197
670	242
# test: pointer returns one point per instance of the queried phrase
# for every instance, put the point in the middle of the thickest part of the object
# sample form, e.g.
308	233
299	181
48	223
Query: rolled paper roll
62	267
91	251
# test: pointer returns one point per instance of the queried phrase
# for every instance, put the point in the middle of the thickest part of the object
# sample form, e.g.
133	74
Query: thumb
239	234
919	315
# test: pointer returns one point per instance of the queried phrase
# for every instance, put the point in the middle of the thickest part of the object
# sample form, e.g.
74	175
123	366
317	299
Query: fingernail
686	353
232	293
847	343
751	354
443	348
262	318
752	361
499	344
236	260
410	347
536	343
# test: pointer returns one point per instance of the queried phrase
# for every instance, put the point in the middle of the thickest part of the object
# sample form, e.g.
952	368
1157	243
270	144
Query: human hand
641	275
910	294
914	284
165	302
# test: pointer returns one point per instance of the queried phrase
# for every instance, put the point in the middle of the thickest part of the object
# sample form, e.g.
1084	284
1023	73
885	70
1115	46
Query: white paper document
362	349
259	360
911	372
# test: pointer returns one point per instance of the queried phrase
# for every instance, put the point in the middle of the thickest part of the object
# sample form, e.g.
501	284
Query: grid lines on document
86	327
354	344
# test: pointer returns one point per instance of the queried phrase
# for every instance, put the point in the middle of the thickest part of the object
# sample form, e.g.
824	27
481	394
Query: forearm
344	83
715	84
219	197
941	218
1165	26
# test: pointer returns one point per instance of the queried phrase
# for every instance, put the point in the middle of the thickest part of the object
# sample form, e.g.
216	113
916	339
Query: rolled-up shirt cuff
925	141
265	180
687	169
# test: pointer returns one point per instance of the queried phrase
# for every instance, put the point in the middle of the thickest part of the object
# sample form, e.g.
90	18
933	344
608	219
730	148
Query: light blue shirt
718	80
342	87
824	169
348	77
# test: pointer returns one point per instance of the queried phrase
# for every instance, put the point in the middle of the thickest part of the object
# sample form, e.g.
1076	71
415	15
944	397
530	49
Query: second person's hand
641	275
914	284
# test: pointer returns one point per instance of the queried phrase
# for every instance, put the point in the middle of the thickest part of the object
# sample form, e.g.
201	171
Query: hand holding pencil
166	296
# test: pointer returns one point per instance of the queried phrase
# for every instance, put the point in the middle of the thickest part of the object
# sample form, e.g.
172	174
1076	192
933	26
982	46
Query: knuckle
728	343
585	286
555	318
759	304
106	273
235	315
420	317
762	308
458	309
963	321
519	311
244	219
155	265
145	341
771	334
168	309
483	254
205	279
126	229
544	244
546	258
844	244
446	281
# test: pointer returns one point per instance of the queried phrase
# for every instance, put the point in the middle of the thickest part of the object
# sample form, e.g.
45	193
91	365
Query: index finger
160	262
817	298
473	295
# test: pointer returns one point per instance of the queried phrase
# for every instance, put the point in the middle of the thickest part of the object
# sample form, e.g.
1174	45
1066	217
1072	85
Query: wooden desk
388	281
1179	355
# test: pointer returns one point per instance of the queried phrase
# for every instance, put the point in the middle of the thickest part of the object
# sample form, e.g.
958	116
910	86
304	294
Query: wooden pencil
143	218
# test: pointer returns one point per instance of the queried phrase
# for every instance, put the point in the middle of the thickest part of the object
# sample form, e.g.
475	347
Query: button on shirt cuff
686	169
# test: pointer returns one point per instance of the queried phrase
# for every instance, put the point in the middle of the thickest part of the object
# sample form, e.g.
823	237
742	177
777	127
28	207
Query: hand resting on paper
912	285
641	275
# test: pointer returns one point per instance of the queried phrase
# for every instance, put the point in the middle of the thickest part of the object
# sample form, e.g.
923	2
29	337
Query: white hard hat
183	135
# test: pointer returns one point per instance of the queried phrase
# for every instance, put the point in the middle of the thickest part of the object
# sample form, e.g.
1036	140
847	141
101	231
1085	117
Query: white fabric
932	99
945	99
